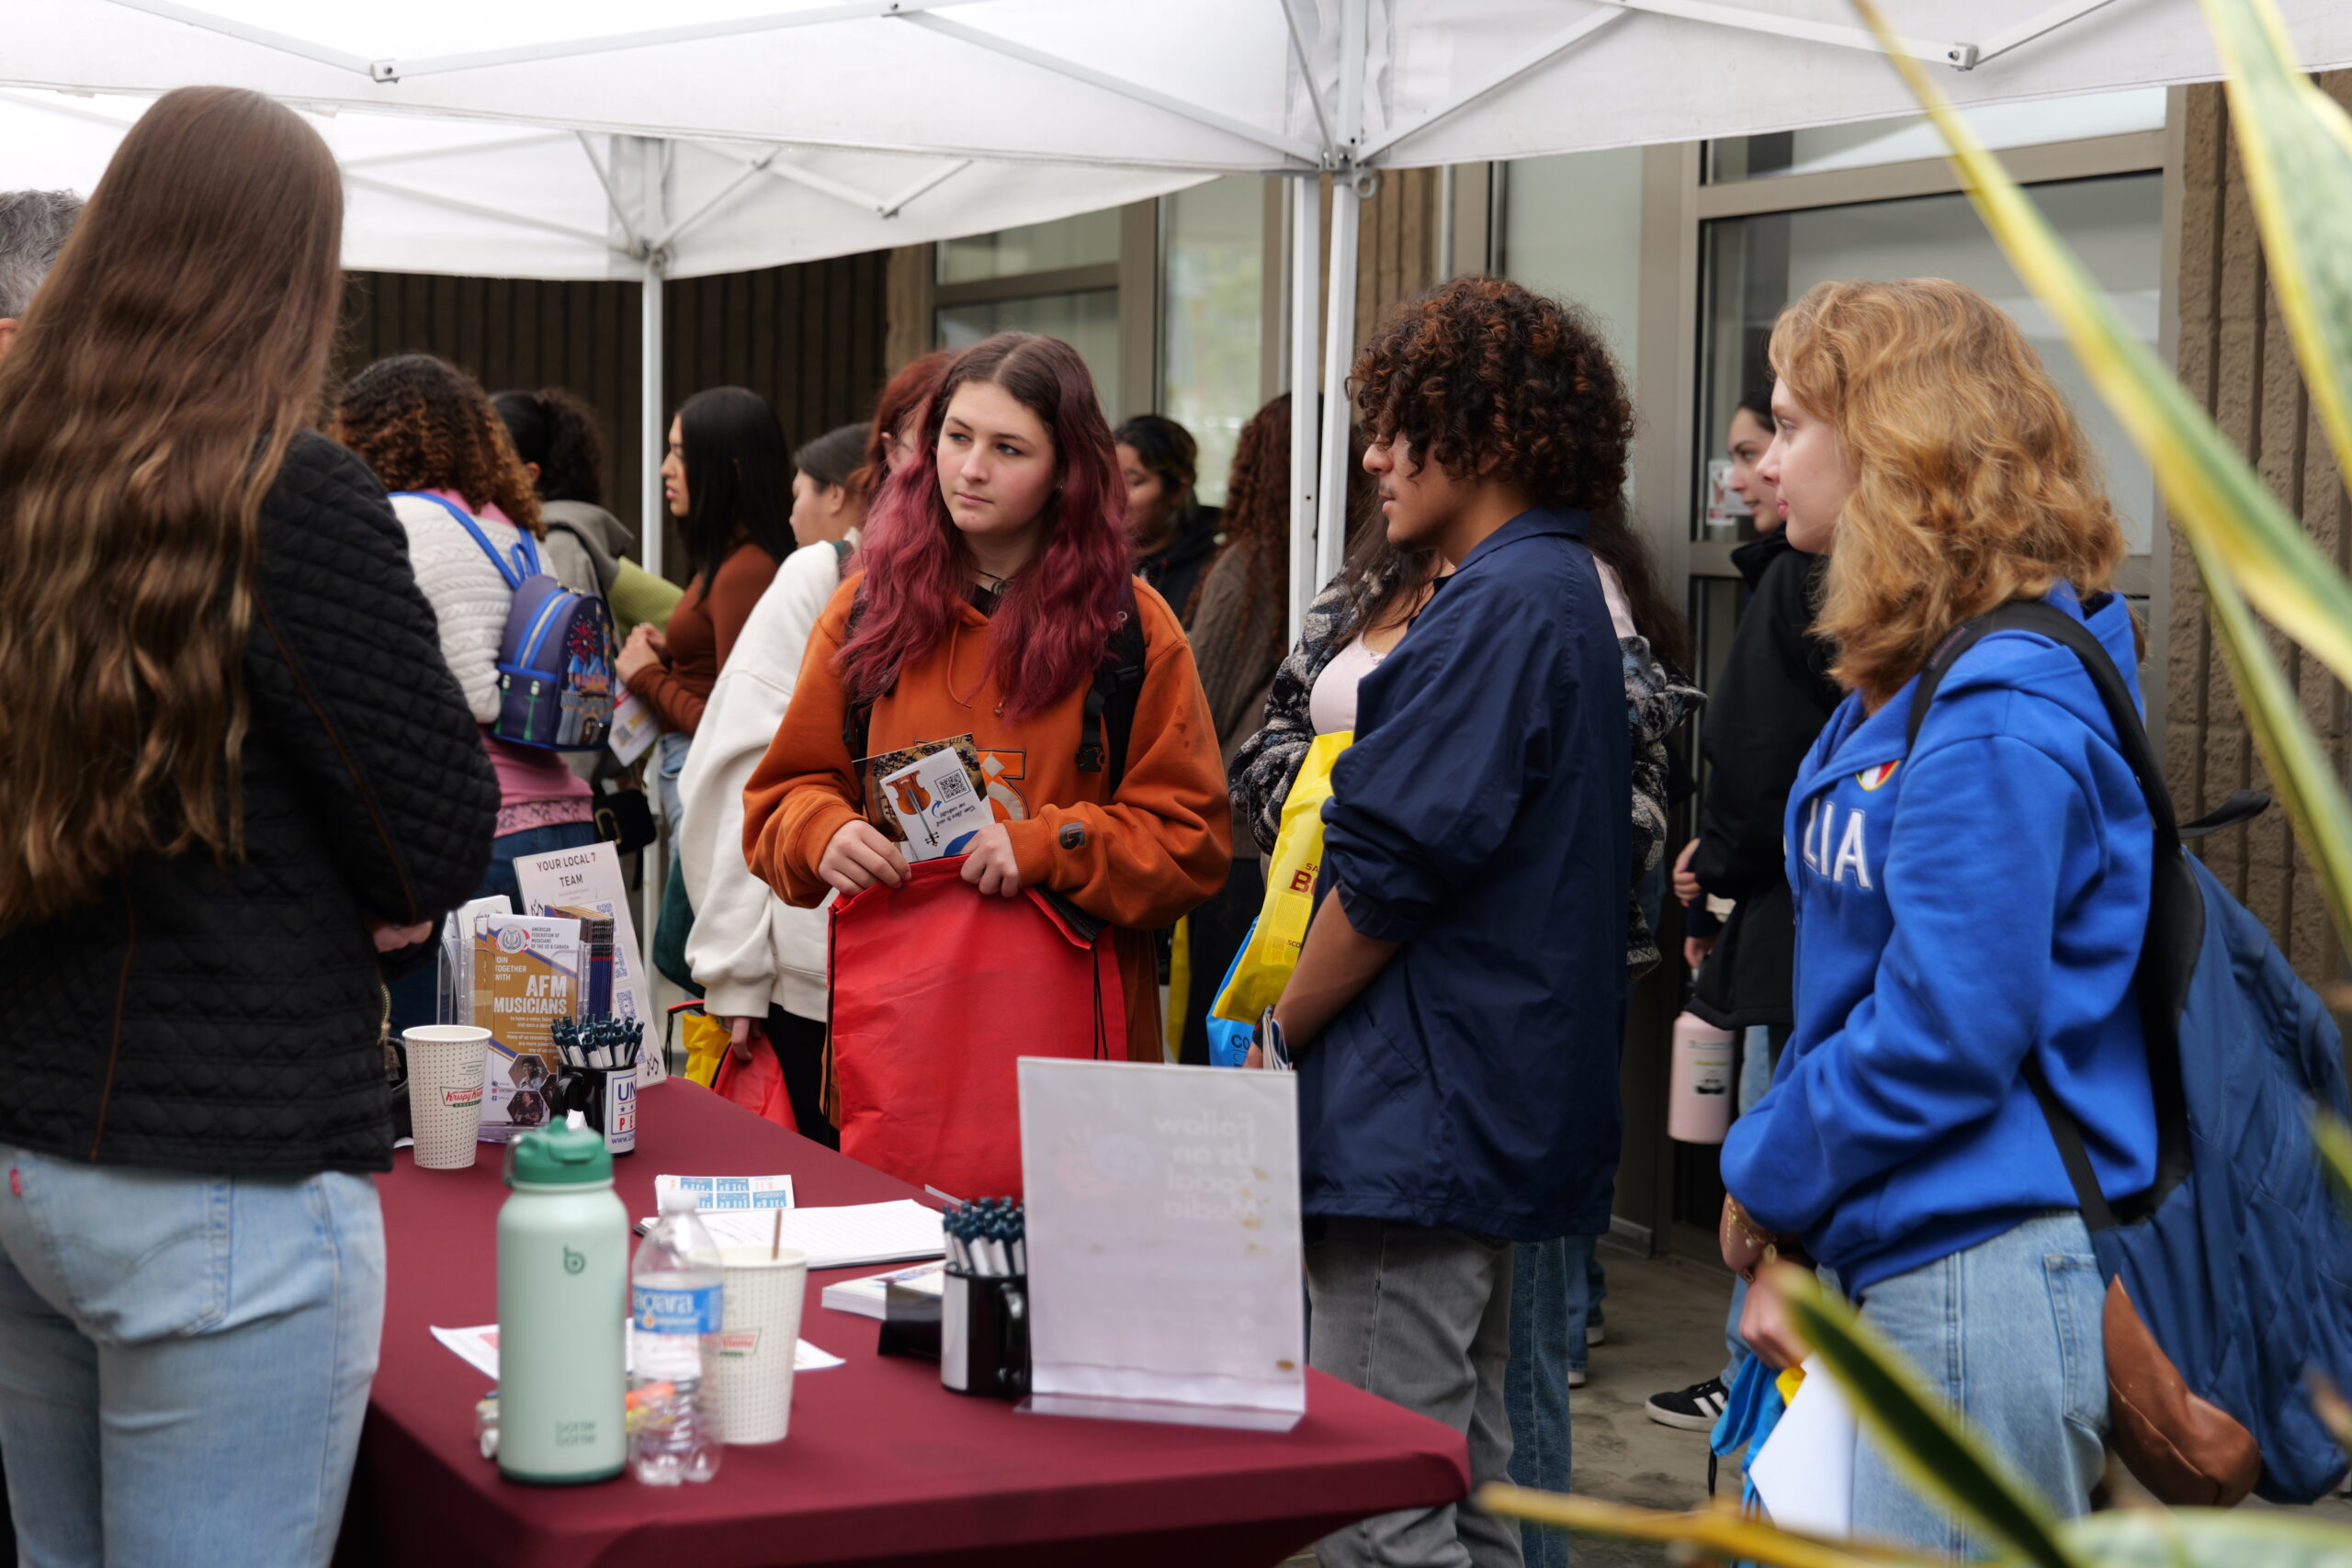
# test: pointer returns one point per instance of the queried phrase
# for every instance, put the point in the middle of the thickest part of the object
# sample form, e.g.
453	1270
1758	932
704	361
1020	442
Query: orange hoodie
1140	860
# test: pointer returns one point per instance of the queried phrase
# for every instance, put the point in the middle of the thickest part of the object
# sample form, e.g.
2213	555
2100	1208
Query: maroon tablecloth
882	1465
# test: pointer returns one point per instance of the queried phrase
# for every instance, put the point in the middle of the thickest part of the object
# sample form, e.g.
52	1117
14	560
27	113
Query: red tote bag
937	990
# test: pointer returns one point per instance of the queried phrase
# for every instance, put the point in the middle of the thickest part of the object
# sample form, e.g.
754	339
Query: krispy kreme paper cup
445	1091
755	1349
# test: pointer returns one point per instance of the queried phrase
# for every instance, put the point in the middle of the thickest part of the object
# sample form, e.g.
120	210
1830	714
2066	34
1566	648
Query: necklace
963	699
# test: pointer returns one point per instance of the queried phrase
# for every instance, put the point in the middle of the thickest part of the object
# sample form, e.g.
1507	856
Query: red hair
1054	618
903	399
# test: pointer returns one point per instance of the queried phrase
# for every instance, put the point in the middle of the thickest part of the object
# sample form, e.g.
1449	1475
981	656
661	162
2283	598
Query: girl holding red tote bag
997	604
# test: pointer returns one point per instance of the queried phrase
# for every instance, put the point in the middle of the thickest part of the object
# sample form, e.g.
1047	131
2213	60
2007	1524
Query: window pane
1752	267
1213	265
1908	136
1088	240
1088	322
1572	226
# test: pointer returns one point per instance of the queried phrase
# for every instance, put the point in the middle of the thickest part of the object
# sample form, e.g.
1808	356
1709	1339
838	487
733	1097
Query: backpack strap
1107	724
2167	954
526	557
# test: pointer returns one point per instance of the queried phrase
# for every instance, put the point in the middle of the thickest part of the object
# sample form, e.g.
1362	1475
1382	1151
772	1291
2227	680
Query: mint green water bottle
562	1305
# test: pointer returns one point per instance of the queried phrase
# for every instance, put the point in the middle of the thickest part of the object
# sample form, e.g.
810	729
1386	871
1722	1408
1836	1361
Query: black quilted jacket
225	1018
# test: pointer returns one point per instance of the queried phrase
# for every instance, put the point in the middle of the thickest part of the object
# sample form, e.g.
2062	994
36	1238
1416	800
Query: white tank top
1331	705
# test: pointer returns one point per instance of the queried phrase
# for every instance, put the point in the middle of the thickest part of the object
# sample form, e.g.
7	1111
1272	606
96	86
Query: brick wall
2236	357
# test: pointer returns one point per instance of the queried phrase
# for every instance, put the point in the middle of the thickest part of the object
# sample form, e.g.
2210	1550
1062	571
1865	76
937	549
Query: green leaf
1719	1532
1936	1453
2215	499
2297	145
2209	1537
2239	531
2335	1140
2298	761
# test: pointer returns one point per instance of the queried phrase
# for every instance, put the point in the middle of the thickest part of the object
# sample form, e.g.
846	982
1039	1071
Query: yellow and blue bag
1270	953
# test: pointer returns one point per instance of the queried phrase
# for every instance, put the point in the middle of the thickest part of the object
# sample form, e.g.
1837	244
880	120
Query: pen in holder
984	1334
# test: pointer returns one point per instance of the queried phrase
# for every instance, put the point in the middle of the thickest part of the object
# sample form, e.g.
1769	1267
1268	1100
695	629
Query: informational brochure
586	885
525	975
1163	1243
937	808
635	725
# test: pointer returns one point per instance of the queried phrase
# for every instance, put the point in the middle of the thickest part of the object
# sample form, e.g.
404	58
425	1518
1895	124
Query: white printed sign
588	882
1163	1243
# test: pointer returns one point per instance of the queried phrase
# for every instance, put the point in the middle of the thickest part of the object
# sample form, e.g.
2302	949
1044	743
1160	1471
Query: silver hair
33	227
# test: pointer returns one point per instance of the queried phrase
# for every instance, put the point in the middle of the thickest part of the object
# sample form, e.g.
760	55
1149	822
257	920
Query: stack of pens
987	1238
606	1044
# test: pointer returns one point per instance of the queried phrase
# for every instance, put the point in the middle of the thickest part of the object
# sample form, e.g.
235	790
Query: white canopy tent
748	132
570	139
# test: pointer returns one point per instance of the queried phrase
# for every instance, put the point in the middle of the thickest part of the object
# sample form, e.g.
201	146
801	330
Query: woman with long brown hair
234	776
1972	892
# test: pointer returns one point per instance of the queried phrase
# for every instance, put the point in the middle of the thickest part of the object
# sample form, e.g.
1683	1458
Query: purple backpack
555	659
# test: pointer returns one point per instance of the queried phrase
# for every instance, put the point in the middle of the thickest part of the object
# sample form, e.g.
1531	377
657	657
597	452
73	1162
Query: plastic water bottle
676	1300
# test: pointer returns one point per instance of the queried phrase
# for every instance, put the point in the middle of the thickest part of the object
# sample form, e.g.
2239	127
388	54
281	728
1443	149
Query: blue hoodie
1981	900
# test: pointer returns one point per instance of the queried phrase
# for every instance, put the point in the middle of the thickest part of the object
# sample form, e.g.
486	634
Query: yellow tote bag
1271	955
706	1040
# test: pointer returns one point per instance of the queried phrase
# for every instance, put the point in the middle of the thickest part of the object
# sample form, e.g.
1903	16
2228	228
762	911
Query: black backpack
1109	718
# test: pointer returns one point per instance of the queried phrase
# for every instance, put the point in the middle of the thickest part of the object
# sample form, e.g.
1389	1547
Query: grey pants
1422	1317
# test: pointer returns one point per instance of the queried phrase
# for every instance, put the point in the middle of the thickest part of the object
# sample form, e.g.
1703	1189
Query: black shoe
1691	1409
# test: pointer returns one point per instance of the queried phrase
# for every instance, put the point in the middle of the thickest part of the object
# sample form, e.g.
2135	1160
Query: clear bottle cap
677	1199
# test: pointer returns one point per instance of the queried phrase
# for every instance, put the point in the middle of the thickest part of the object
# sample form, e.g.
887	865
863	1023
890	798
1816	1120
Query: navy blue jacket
1481	819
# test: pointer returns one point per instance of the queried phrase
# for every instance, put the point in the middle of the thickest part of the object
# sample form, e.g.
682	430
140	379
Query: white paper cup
445	1091
753	1397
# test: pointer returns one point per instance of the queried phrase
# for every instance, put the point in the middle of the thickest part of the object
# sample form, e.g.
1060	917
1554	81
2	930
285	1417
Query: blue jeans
2010	1331
186	1362
417	995
1554	1293
669	762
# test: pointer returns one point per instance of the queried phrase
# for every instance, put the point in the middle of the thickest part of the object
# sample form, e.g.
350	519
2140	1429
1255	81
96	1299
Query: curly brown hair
1482	376
422	424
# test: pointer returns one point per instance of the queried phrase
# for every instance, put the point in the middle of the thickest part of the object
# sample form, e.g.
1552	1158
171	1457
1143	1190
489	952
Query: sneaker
1596	1334
1578	1377
1691	1409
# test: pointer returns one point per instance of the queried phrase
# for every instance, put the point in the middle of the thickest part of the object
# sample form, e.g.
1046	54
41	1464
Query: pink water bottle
1698	1093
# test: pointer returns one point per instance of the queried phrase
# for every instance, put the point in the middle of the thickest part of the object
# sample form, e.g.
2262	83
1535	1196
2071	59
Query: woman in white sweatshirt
762	963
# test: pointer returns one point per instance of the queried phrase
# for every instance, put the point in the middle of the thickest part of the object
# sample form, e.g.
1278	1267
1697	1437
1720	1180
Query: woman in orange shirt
997	568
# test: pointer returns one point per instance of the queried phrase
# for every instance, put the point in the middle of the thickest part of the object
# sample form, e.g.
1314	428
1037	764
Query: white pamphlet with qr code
935	803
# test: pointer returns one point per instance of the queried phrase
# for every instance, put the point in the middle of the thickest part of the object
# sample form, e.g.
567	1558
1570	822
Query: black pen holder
984	1334
607	1097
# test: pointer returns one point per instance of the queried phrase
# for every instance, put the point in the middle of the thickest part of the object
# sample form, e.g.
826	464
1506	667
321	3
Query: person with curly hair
1971	896
1460	998
429	432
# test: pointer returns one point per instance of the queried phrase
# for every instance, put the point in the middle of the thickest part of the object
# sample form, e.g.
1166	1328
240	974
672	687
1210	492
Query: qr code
954	786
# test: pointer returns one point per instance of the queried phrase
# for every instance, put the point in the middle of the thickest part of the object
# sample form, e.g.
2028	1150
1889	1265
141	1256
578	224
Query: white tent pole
1135	92
692	32
245	32
654	444
1339	352
1305	299
1340	298
1535	59
1307	72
